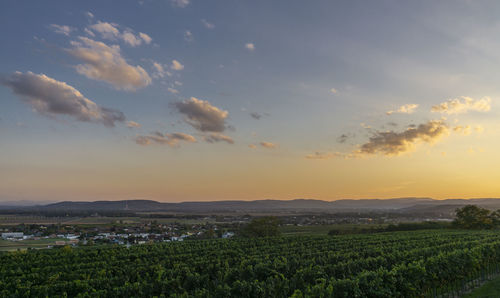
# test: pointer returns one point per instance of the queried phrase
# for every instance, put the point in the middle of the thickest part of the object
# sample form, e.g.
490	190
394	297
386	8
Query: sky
202	100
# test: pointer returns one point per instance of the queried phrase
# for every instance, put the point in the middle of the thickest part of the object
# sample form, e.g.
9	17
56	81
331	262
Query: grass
489	289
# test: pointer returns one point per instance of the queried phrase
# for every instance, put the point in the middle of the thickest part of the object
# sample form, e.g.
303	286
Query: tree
262	227
473	217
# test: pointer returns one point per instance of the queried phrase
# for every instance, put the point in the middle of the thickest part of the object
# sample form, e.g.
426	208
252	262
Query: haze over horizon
190	100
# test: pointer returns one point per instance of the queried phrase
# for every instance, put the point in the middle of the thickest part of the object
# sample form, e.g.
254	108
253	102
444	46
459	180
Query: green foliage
262	227
473	217
397	264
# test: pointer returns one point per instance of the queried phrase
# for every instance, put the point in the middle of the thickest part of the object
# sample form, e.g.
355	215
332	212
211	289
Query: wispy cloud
105	63
50	97
169	139
172	90
111	31
62	29
268	145
250	46
207	24
463	105
133	124
255	115
324	155
180	3
217	137
404	109
188	36
160	71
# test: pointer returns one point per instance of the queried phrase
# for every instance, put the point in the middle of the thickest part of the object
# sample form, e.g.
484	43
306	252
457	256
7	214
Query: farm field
396	264
8	220
8	245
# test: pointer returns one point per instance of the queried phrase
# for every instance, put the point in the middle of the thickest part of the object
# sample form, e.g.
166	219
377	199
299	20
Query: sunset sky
182	100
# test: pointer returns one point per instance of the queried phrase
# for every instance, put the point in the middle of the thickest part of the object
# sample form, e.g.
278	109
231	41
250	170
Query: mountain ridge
408	204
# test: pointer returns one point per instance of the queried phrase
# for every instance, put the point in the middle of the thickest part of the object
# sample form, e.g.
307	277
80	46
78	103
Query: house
12	235
228	235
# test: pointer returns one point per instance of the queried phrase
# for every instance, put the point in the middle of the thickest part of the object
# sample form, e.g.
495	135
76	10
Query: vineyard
397	264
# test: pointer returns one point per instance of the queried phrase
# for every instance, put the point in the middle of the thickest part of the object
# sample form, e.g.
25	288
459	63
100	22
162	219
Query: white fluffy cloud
105	63
404	109
463	105
50	97
202	115
169	139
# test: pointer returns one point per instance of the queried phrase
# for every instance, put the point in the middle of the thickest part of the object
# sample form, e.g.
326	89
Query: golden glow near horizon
102	105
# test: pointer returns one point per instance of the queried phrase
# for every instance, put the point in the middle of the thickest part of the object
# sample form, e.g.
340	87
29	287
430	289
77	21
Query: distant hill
404	205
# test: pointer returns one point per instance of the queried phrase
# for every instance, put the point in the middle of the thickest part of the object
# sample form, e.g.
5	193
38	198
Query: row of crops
398	264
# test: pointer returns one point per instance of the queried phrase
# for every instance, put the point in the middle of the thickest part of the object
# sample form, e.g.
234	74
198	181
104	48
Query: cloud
147	39
268	145
105	63
202	115
176	65
207	24
160	71
89	15
465	130
344	137
180	3
404	109
130	39
250	46
255	115
333	91
252	146
111	31
172	90
106	30
62	29
463	105
323	155
133	124
188	36
169	139
50	97
217	137
395	143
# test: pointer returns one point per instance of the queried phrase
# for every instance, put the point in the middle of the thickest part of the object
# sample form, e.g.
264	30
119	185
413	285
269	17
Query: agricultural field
396	264
9	245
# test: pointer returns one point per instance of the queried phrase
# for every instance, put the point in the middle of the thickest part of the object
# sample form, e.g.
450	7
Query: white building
12	235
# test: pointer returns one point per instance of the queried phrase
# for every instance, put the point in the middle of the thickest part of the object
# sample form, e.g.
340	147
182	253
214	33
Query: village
76	235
